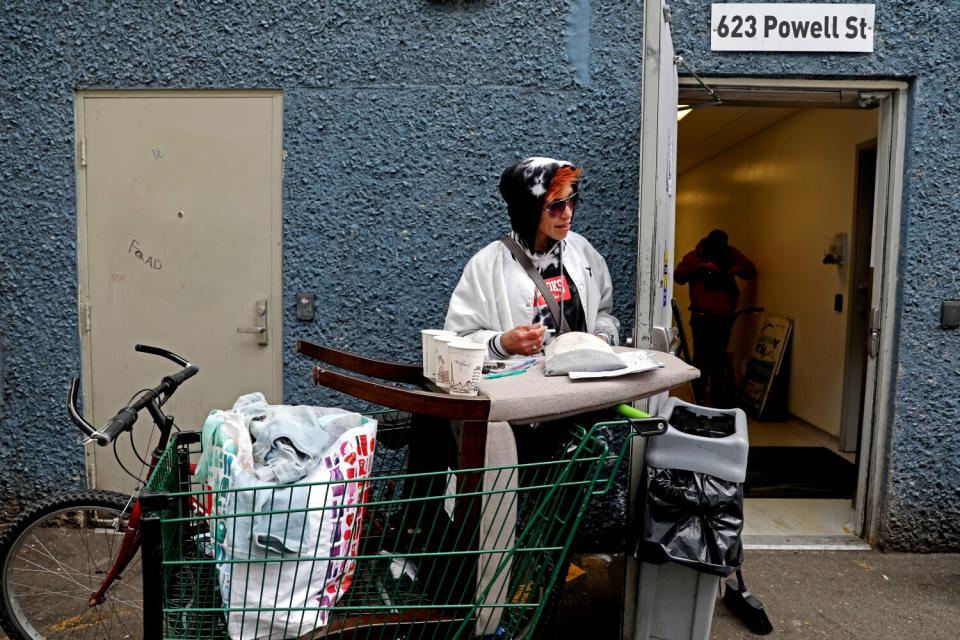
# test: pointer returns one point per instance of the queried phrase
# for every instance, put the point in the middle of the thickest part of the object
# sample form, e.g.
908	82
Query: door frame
83	258
858	325
891	97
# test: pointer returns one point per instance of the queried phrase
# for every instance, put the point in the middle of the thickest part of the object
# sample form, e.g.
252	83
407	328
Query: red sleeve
742	266
690	263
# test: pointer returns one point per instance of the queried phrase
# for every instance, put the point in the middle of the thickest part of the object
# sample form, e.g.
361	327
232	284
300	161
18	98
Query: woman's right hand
523	339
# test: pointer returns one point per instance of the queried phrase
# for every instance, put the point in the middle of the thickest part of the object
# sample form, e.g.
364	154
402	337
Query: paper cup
441	366
430	350
466	367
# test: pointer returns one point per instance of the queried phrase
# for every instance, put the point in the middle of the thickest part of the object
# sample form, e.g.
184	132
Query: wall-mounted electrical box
305	305
836	252
950	314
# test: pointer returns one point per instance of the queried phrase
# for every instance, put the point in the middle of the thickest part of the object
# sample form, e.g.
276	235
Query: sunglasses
556	208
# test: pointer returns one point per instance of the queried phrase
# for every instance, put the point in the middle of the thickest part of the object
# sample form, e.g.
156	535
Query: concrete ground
808	594
842	594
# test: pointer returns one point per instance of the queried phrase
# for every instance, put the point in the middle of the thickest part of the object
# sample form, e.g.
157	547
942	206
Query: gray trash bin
692	519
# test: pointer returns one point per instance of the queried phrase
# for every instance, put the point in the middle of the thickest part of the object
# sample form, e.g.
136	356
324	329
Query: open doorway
792	185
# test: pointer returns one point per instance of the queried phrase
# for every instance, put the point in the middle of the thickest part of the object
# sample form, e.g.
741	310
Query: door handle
873	347
663	339
260	321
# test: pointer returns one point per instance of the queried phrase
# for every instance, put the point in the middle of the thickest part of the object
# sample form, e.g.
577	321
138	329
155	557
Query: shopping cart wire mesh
448	553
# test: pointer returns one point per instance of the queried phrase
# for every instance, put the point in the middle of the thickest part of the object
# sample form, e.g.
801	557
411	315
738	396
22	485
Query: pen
523	364
545	329
504	374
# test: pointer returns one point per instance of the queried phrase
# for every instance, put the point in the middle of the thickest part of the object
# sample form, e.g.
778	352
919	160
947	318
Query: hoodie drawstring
563	279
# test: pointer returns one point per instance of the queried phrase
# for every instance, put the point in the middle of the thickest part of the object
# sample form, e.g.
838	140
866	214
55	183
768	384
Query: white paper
636	362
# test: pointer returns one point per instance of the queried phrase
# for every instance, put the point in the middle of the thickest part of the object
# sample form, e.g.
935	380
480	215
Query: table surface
534	397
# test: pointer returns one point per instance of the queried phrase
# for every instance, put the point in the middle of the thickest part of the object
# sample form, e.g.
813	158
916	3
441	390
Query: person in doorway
496	302
711	270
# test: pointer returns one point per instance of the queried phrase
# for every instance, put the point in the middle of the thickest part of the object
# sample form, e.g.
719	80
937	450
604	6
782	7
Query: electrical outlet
305	305
950	314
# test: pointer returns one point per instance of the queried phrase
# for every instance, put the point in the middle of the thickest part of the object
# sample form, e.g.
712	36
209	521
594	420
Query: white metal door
658	161
883	262
179	243
657	215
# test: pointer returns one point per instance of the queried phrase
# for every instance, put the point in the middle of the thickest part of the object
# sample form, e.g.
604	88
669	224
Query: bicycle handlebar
157	351
127	416
117	424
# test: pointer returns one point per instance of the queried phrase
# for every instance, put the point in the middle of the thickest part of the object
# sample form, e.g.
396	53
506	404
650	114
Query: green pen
504	374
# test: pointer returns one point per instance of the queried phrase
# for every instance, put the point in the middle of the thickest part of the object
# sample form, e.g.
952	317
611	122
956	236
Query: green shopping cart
412	566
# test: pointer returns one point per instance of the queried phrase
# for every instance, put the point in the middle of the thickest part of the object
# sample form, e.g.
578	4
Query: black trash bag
692	518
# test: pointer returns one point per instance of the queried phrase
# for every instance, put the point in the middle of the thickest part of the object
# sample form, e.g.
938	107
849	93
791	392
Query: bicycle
46	539
82	547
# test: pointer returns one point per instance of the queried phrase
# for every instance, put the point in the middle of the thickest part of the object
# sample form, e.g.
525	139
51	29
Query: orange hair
565	176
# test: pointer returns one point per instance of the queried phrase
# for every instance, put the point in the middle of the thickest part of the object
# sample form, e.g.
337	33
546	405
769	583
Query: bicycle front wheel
55	556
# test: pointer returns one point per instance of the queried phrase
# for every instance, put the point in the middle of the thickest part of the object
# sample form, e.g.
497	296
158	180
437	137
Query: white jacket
495	294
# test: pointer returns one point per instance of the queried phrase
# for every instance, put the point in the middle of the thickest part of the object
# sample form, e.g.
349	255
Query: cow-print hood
523	186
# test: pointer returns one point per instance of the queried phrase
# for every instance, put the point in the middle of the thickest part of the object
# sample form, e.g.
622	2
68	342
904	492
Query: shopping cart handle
646	427
642	423
631	412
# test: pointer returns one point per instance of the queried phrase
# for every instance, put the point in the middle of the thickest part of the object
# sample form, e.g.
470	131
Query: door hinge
85	317
83	152
874	328
869	100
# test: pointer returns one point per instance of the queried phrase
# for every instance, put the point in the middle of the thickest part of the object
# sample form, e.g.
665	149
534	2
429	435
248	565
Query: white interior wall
781	195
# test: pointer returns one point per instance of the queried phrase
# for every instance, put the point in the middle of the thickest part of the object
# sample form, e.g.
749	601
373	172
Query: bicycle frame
151	400
132	538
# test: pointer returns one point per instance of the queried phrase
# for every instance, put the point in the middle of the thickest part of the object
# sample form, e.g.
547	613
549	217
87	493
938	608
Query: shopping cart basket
431	562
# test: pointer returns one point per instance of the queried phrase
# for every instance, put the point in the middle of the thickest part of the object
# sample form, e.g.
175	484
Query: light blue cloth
288	440
287	443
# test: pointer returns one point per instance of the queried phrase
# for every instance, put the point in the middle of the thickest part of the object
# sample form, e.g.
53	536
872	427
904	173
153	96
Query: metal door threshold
805	543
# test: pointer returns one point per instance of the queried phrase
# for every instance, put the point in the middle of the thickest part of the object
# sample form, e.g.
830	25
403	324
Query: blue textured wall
399	116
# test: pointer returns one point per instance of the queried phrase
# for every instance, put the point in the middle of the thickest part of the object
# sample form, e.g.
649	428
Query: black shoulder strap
531	270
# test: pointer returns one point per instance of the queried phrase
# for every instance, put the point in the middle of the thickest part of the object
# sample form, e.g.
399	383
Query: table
481	424
527	398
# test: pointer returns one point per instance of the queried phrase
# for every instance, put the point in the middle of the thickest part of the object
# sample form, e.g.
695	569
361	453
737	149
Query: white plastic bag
263	531
578	351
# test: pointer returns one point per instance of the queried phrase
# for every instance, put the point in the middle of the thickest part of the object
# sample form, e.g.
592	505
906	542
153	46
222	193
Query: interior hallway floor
792	432
793	522
786	523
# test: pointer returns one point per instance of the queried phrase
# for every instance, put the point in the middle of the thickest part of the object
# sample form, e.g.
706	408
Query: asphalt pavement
865	595
858	595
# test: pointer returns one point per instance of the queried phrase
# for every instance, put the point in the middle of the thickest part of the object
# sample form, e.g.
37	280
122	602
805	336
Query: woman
497	303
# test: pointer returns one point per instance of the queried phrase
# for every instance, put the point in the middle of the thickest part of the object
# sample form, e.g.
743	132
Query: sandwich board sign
792	27
765	365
